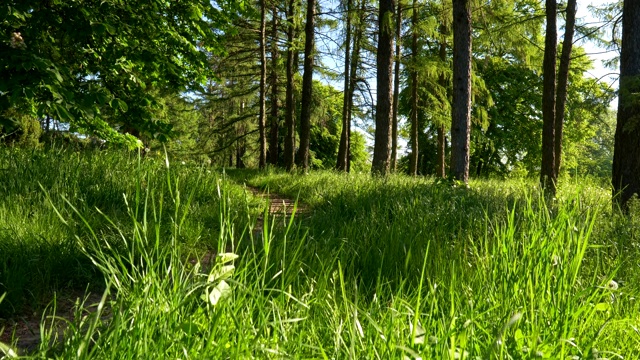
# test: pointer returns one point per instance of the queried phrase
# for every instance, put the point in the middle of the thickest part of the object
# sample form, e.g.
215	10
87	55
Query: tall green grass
390	268
39	255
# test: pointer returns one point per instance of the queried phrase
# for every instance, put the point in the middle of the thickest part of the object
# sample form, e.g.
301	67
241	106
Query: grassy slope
383	268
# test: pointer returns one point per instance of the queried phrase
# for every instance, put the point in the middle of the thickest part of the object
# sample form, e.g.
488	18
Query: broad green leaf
119	104
221	273
221	291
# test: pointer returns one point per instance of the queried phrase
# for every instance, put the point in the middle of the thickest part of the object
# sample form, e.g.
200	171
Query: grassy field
393	268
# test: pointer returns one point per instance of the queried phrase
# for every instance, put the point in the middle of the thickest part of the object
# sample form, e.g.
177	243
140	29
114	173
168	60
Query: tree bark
396	91
563	80
263	86
547	170
289	141
461	103
413	160
344	140
440	154
384	96
626	155
274	145
307	85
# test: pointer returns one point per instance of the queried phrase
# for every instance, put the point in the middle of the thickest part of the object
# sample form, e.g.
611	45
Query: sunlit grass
376	268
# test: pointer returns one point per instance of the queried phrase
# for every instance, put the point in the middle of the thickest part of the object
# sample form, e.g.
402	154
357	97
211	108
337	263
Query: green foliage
97	65
359	155
20	129
512	139
510	145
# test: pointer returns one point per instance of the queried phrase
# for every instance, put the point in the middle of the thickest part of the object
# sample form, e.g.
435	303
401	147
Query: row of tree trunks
353	39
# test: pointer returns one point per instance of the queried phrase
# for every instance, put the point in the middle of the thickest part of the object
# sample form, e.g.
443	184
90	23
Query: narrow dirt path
279	205
26	327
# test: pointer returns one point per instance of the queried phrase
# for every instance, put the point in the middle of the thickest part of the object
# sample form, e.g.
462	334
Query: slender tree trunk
241	149
355	65
307	85
263	86
547	170
289	141
563	80
626	155
344	140
461	104
440	171
396	91
273	139
413	160
384	96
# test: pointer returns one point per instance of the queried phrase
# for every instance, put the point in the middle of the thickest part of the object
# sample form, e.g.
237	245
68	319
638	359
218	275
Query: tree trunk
273	138
344	140
263	86
355	64
547	173
413	160
396	91
563	80
440	154
384	96
307	85
461	103
289	141
626	155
